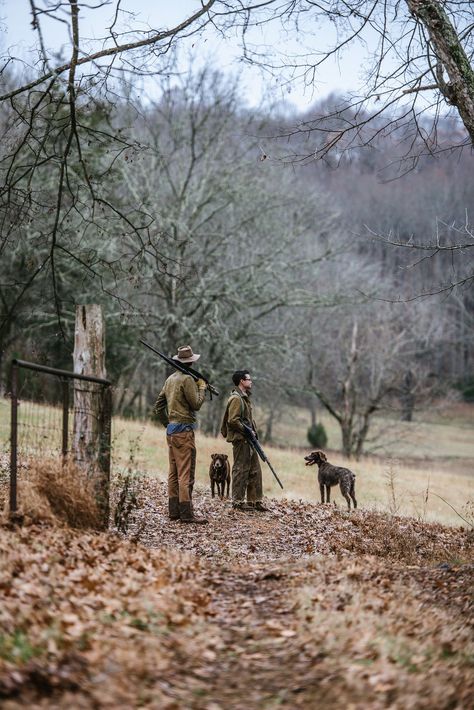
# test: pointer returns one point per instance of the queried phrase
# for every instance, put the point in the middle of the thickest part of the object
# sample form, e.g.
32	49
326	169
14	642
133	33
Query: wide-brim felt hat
185	354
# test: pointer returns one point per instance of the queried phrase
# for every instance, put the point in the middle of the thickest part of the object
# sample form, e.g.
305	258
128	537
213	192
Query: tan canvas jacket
179	399
238	407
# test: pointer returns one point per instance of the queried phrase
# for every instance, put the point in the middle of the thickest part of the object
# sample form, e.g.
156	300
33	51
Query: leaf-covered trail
301	607
312	635
312	607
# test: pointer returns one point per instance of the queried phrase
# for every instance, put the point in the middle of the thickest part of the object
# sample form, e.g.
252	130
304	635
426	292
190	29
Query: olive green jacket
179	399
238	407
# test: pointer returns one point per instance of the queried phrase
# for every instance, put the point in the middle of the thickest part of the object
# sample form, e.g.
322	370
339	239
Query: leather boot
186	514
173	508
247	507
260	507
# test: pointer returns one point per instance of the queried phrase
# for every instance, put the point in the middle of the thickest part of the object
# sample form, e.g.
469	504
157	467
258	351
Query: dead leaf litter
303	606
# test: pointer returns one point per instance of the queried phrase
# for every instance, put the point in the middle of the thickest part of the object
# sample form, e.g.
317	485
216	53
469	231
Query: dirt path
312	635
312	607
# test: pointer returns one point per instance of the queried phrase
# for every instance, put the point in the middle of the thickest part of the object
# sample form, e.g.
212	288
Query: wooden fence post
91	430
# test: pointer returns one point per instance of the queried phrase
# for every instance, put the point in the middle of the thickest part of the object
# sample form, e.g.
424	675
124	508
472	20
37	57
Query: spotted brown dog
329	475
219	474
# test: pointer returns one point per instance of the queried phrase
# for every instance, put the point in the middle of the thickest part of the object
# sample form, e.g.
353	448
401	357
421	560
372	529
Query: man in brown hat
175	408
246	471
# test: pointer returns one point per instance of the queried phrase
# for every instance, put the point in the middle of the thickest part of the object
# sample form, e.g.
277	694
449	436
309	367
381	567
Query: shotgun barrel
254	442
187	370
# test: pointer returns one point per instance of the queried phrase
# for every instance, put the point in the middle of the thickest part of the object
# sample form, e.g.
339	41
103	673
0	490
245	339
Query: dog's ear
322	456
213	456
225	456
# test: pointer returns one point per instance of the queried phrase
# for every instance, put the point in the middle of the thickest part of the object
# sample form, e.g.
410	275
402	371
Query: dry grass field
416	466
394	483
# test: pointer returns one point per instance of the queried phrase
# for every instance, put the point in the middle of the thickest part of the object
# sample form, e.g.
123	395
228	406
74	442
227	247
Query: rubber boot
173	508
186	514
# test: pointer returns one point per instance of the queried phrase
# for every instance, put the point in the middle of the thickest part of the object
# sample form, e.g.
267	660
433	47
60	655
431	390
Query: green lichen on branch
447	47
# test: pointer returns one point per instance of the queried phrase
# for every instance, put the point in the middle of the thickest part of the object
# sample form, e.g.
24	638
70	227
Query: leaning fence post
13	437
87	445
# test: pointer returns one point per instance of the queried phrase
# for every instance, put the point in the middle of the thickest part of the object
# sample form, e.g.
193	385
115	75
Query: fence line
38	432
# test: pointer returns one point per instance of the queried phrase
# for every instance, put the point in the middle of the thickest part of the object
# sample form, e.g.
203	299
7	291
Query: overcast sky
16	33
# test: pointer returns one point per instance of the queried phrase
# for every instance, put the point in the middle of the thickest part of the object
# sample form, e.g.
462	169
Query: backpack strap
226	414
242	407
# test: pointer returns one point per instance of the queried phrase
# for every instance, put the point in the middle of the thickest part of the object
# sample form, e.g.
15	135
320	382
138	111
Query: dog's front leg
321	489
212	487
328	494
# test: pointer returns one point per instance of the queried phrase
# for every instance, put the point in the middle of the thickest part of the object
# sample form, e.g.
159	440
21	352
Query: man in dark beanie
175	408
247	489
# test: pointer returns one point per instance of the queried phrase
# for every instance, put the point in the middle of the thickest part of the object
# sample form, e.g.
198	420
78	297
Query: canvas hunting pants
246	473
182	465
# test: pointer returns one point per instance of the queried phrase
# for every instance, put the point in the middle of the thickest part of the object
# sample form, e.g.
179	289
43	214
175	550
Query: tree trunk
459	90
267	437
346	431
348	396
361	435
407	396
91	402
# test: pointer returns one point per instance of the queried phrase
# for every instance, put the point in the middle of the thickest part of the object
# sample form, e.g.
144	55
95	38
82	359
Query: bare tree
455	241
422	49
357	356
57	122
64	148
234	239
417	68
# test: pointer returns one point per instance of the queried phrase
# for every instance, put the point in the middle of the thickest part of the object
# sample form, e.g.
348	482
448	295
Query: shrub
317	436
127	502
466	387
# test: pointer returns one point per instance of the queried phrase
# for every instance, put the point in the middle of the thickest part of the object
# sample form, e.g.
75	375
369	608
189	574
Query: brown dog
329	475
219	473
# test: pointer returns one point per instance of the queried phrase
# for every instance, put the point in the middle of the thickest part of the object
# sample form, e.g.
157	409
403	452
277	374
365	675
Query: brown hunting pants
182	460
246	473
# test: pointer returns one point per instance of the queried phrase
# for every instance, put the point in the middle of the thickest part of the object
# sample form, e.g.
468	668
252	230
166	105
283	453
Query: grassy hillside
446	430
383	483
419	464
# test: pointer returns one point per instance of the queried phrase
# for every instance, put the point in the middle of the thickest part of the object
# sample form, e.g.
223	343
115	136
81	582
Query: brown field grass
54	493
446	431
383	483
420	463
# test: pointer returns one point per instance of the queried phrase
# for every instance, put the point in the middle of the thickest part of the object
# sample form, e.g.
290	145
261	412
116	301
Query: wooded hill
286	269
